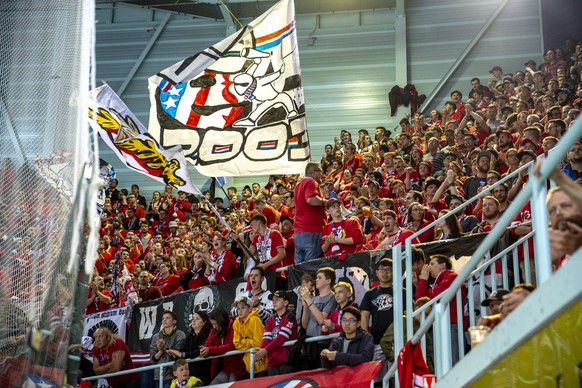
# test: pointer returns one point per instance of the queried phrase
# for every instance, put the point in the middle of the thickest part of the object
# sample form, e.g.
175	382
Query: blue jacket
360	350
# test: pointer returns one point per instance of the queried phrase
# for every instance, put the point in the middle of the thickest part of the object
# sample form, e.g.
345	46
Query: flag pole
221	187
235	236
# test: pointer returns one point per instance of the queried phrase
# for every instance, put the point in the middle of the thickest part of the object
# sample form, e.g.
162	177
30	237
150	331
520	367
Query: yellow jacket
249	334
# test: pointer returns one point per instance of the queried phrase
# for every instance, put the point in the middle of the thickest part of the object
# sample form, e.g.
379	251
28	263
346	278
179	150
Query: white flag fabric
237	107
132	143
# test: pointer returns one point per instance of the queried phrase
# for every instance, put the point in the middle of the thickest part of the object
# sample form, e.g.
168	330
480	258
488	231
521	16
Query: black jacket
360	350
200	369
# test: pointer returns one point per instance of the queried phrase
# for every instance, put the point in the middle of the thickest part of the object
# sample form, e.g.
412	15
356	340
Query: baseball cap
283	218
563	90
244	300
331	202
450	197
531	63
173	224
522	153
525	141
503	131
496	295
432	181
279	294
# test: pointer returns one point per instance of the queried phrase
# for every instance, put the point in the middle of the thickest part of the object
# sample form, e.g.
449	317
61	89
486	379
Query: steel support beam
463	55
229	19
400	54
144	53
12	132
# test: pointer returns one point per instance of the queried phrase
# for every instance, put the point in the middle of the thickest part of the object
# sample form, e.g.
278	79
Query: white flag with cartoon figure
237	107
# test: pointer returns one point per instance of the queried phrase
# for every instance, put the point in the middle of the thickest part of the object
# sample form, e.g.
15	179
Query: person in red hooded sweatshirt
441	269
220	341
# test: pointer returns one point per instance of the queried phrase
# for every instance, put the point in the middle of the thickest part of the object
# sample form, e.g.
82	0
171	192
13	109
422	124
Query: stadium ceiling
213	9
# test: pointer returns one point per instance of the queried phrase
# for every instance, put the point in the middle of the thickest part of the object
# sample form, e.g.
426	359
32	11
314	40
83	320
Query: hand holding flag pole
235	236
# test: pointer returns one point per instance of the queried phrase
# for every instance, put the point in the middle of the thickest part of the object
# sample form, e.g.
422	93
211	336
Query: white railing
197	359
535	192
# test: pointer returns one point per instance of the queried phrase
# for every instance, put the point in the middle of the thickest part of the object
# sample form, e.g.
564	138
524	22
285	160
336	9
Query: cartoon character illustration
264	91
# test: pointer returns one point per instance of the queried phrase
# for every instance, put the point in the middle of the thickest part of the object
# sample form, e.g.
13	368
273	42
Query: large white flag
237	107
132	143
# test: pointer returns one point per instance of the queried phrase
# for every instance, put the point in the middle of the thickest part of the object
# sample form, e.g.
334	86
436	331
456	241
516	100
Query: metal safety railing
197	359
535	192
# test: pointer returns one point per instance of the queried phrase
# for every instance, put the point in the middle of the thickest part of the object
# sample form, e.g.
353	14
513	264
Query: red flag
411	366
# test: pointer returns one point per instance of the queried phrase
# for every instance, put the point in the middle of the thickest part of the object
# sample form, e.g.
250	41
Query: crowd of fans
370	192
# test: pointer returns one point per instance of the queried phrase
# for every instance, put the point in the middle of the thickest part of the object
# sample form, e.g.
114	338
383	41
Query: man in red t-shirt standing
310	215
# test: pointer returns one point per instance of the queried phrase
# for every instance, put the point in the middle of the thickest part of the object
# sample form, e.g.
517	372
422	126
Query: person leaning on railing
510	302
110	354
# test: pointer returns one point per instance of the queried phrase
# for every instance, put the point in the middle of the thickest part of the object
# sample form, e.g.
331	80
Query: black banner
147	317
358	269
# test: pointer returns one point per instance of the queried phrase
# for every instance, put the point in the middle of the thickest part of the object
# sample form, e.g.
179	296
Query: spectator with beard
500	193
574	167
406	146
504	140
565	213
467	222
472	184
490	215
145	291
